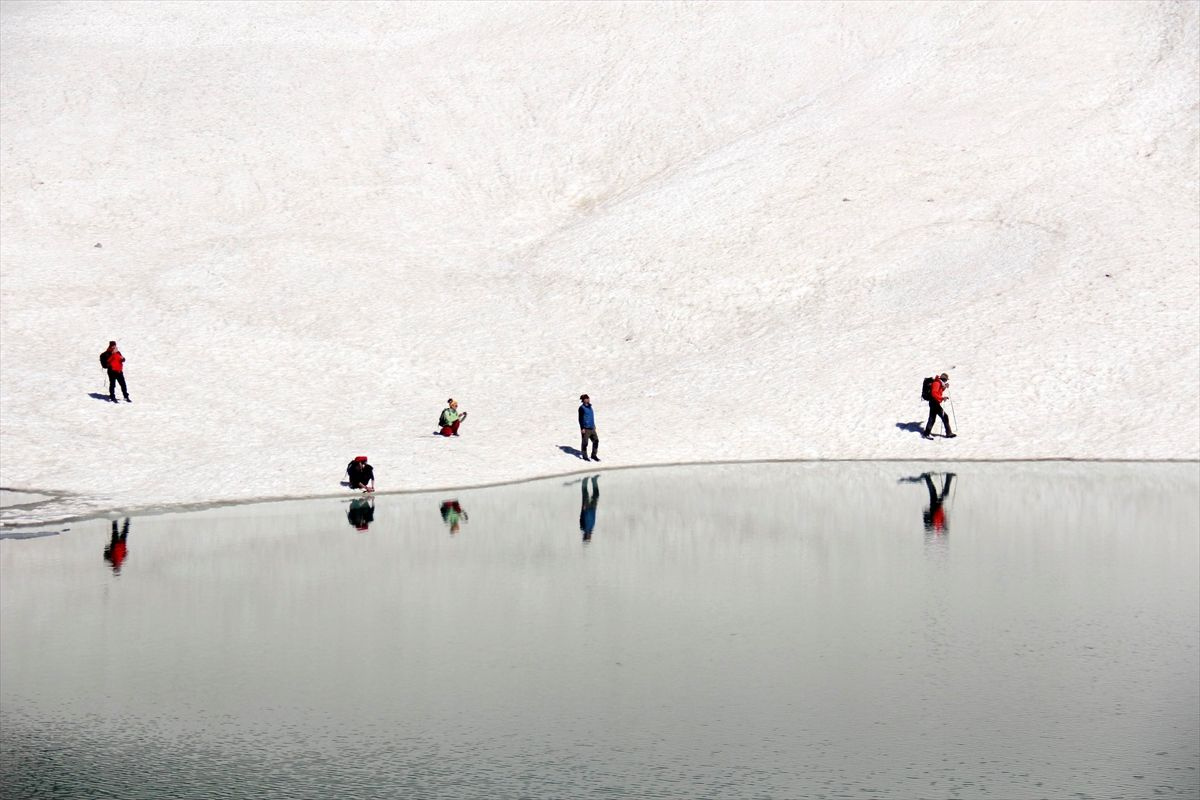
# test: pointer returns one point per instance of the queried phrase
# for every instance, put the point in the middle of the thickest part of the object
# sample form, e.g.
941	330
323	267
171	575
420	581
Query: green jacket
449	417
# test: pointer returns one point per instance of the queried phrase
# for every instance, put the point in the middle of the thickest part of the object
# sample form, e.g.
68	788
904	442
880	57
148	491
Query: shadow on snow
571	451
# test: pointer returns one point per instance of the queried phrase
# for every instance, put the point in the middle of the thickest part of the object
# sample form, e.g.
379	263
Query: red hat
360	458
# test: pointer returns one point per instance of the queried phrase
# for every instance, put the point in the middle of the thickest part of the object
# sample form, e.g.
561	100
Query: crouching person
361	474
450	419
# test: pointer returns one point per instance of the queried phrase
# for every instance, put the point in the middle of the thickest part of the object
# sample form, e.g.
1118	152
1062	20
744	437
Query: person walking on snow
587	428
361	474
114	362
937	393
451	419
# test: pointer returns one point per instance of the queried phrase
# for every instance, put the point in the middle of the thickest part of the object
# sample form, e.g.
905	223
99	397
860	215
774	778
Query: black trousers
935	411
114	378
587	434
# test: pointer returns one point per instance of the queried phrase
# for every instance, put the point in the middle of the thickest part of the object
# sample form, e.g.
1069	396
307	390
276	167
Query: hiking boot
595	457
951	435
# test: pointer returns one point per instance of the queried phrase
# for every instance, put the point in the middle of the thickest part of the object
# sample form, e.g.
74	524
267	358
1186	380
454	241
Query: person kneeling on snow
451	419
361	474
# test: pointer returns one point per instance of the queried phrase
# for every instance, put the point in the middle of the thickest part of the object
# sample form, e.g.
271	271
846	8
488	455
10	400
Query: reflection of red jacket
936	388
116	554
116	361
939	519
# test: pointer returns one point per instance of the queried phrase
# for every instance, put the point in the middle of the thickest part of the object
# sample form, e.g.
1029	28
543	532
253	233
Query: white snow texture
747	230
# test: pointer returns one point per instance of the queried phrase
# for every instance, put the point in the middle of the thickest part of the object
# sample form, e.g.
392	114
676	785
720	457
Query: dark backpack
104	359
927	389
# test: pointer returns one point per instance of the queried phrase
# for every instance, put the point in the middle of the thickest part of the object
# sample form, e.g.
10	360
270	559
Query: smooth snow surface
746	230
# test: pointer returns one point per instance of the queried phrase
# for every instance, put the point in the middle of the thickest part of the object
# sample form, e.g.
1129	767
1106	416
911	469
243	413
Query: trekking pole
952	414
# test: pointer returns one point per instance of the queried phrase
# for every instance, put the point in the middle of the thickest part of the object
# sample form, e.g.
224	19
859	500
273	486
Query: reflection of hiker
452	513
117	549
112	360
587	507
451	419
935	515
361	474
587	428
361	513
935	396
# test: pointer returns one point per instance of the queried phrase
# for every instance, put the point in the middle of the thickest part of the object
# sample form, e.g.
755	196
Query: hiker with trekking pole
933	390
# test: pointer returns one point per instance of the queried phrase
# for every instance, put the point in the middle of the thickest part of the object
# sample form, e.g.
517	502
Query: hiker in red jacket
937	393
114	362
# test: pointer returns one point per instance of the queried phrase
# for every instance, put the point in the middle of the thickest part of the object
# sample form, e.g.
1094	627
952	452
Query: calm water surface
783	630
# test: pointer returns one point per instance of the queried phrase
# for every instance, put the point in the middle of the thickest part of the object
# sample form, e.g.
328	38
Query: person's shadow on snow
571	451
911	427
98	396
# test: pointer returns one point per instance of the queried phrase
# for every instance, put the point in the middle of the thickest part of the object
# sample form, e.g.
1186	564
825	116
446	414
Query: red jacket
936	388
116	361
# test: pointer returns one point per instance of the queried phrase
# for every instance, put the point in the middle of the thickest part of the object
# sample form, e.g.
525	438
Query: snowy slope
747	230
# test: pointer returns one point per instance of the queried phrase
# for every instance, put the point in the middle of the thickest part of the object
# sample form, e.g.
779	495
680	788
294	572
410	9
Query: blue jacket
587	417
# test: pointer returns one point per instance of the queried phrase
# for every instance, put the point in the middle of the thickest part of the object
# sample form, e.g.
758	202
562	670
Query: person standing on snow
114	362
587	428
361	474
937	393
451	419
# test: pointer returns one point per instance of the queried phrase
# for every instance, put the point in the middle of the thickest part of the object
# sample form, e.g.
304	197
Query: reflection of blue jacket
587	506
587	417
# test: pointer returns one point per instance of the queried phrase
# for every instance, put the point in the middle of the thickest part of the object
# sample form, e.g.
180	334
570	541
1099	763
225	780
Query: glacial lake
831	630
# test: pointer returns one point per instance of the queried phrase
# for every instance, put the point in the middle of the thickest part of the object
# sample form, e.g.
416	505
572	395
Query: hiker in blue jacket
587	428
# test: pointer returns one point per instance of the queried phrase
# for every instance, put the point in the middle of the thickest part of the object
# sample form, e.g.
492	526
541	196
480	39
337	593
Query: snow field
746	230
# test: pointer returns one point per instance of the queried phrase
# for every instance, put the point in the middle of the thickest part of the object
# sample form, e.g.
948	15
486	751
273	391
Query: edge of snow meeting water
21	516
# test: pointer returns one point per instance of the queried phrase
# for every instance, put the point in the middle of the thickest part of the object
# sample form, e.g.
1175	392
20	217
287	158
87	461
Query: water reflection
361	513
587	507
453	515
117	549
745	631
934	516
